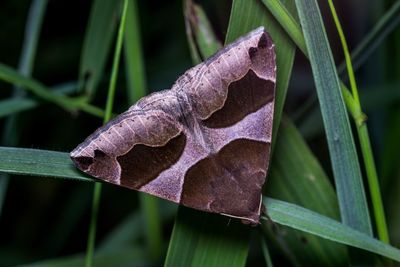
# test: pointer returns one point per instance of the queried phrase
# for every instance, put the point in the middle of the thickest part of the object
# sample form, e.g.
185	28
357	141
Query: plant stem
107	117
93	225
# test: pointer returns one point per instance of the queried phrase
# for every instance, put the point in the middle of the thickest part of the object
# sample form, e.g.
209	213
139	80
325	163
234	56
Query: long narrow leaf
39	163
308	221
345	164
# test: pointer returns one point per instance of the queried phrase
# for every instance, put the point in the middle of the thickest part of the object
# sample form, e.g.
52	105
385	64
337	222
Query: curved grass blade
311	222
344	160
39	163
99	34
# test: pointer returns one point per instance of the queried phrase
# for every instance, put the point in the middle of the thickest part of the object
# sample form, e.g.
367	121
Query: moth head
98	164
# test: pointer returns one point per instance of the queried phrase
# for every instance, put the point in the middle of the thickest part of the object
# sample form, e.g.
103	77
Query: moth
204	143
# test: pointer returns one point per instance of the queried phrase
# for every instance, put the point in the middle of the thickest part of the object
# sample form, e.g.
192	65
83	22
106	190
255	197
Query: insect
204	143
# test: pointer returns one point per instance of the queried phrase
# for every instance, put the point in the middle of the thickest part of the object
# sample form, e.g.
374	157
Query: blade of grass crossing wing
136	77
345	164
249	14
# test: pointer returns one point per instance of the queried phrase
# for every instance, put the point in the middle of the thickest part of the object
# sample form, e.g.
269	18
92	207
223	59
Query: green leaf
201	239
345	164
39	163
308	221
297	177
99	34
247	15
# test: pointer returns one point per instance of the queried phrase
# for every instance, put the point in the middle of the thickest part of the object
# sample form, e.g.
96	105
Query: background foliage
56	60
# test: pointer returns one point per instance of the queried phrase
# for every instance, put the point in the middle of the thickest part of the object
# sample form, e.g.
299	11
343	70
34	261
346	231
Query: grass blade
39	163
308	221
344	160
97	44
